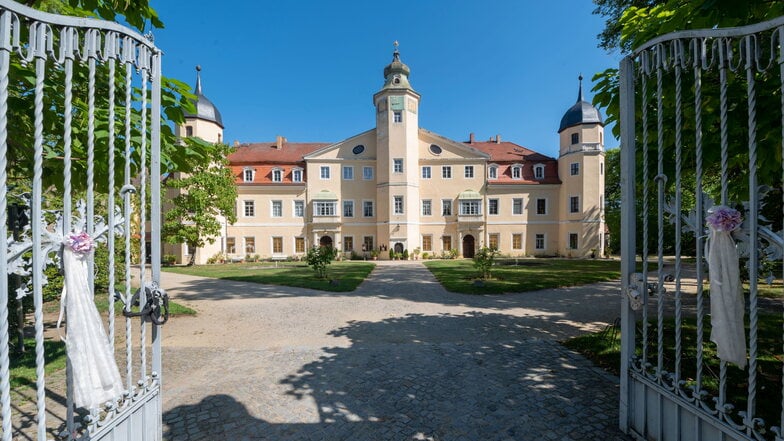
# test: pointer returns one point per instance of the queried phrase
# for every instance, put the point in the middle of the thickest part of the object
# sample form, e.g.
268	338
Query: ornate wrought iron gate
702	115
79	152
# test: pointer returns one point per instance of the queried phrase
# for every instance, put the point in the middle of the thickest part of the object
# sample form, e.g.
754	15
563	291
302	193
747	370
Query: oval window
434	149
358	149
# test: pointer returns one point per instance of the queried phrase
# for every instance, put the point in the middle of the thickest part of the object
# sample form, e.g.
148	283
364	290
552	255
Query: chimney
471	138
279	142
498	139
236	143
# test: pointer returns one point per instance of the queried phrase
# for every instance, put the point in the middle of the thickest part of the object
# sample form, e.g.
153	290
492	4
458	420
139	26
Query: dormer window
248	174
492	172
539	171
296	175
277	175
575	138
517	171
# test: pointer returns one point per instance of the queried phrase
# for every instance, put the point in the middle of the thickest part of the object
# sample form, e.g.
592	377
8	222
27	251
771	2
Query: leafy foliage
483	261
320	258
203	194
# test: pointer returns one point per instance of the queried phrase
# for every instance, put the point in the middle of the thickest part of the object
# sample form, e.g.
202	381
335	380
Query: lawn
343	276
520	275
603	348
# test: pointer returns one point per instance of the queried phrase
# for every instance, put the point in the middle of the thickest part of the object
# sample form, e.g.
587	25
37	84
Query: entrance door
468	246
325	241
399	248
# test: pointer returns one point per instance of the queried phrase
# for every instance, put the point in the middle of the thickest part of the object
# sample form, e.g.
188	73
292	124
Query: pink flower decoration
80	243
723	218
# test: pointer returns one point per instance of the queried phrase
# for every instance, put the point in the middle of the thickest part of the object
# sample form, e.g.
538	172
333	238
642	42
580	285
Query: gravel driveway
397	359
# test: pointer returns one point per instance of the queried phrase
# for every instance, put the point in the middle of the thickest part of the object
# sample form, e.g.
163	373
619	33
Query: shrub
169	259
453	253
319	258
391	254
425	255
405	254
483	261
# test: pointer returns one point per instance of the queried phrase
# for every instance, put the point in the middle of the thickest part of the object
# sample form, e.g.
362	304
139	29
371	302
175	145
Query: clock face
396	102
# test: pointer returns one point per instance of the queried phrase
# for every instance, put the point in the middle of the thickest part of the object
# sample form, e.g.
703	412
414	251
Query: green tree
483	261
203	194
320	258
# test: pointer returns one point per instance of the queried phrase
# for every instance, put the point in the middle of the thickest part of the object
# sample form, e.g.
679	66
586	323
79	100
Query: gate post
628	256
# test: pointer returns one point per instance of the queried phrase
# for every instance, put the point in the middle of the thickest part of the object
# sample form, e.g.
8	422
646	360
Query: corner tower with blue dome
207	122
581	169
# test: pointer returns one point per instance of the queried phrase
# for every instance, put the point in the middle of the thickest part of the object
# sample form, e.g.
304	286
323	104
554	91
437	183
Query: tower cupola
582	112
205	110
396	73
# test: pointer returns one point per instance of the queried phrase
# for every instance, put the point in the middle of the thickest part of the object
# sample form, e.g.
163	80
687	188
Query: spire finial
580	88
396	53
197	90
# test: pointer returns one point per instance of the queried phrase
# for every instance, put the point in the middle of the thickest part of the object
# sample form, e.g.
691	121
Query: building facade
401	187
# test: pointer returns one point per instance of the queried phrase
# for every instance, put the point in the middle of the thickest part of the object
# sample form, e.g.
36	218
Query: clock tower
397	141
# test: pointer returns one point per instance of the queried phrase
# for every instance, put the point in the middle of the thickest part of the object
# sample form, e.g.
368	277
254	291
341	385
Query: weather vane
396	44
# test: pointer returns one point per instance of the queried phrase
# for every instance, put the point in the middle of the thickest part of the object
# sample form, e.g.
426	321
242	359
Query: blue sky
308	70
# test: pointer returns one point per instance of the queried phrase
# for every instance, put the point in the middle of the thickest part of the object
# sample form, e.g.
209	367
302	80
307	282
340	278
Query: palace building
399	186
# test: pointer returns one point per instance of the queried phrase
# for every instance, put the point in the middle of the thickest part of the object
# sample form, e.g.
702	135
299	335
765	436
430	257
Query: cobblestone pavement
398	359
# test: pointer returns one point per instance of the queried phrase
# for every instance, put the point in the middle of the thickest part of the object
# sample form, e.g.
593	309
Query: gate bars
106	125
668	390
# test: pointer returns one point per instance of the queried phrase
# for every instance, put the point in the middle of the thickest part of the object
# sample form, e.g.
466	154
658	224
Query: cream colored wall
206	130
263	226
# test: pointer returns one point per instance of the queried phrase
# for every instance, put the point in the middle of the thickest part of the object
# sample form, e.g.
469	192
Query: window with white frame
299	208
397	165
471	207
573	241
324	172
398	116
574	168
446	207
249	208
517	206
541	206
468	172
277	245
574	204
492	241
277	208
517	172
231	245
426	172
492	172
299	244
446	172
427	207
398	204
348	208
367	173
492	206
539	171
427	243
296	175
277	175
348	173
324	208
539	245
367	208
248	174
250	244
517	241
367	242
348	243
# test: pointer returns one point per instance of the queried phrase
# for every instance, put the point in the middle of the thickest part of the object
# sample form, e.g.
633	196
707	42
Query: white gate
79	153
701	138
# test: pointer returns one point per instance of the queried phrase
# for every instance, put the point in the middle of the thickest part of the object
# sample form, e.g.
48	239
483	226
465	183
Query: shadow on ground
412	377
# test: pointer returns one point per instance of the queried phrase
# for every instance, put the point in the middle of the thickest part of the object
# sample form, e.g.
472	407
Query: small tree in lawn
319	258
483	261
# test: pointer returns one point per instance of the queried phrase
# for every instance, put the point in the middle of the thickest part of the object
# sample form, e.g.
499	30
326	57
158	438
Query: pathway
397	359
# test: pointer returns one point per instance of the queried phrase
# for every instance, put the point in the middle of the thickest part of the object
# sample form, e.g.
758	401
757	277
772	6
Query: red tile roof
506	154
266	152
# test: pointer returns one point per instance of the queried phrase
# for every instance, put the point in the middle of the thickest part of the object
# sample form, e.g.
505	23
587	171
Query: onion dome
396	73
582	112
204	108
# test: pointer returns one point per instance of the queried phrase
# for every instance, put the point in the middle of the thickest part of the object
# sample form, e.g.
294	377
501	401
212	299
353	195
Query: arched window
277	175
539	171
248	174
492	172
517	171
